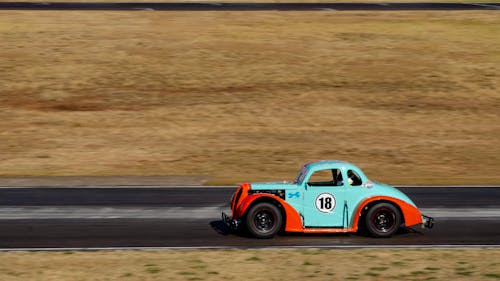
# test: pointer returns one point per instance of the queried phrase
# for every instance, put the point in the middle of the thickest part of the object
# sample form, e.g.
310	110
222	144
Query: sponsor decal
368	185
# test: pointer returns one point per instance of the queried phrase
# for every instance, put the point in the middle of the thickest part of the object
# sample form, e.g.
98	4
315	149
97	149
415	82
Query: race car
326	197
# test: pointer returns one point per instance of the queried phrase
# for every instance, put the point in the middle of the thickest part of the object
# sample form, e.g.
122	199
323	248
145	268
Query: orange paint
245	187
411	214
328	230
293	221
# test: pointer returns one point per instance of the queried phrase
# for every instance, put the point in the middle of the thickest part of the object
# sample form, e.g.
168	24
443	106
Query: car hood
380	189
283	185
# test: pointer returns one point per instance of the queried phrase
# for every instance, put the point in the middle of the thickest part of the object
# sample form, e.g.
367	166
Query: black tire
263	220
382	220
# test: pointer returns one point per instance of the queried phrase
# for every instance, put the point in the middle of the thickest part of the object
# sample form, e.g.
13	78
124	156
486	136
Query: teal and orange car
326	197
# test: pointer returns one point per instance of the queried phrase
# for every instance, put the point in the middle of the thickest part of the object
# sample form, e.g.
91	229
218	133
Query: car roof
326	164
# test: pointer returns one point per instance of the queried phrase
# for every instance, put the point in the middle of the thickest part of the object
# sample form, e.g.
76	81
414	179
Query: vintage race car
326	197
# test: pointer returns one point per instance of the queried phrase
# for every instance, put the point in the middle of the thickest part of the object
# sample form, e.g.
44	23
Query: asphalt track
185	217
224	6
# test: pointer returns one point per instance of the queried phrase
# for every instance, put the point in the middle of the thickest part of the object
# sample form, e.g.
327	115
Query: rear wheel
263	220
383	220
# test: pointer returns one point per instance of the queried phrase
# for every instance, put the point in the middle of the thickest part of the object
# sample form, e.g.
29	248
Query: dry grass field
254	265
411	97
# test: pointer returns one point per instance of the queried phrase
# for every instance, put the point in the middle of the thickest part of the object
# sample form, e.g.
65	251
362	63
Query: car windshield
301	175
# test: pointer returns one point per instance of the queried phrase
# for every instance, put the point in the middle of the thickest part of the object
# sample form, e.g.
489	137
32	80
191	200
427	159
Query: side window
328	177
321	178
354	178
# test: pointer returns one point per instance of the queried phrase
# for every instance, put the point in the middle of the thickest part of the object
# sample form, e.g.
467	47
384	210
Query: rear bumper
427	222
230	222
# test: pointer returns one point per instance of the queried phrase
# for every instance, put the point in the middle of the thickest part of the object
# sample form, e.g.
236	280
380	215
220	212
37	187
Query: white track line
461	212
101	212
206	212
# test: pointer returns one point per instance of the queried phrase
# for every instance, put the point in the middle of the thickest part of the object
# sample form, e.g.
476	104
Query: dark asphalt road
214	6
211	233
209	230
424	197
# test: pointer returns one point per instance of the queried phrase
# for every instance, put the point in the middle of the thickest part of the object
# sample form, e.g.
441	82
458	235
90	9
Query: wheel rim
264	220
383	220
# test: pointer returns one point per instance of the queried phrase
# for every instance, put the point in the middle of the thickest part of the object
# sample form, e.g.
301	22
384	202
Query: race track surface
221	6
190	217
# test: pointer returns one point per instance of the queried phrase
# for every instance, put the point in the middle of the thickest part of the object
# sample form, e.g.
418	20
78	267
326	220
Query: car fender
410	213
293	221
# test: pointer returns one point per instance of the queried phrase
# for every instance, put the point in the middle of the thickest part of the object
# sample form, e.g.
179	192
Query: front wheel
263	220
383	220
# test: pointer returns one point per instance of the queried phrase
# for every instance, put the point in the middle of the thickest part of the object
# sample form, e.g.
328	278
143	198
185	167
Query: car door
354	194
324	199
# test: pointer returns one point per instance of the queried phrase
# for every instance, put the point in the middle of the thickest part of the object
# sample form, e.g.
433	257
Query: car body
321	201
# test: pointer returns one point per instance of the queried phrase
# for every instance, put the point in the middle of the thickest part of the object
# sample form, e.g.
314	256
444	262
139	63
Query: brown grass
254	265
411	97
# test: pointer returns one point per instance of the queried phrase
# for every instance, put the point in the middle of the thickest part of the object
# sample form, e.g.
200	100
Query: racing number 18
325	202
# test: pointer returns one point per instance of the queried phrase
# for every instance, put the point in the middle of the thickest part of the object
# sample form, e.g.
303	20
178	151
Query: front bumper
230	222
427	222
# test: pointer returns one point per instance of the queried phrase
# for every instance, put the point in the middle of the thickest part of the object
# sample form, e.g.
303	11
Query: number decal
325	203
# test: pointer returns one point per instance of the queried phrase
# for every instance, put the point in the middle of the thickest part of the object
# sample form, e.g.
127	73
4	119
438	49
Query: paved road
189	217
214	6
424	197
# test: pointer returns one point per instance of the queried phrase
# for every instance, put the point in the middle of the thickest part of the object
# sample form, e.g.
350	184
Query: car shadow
220	227
402	232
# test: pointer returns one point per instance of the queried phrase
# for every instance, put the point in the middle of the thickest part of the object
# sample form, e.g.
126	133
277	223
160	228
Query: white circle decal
325	203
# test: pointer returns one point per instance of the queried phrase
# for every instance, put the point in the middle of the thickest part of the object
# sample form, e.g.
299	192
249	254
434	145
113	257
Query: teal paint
330	205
